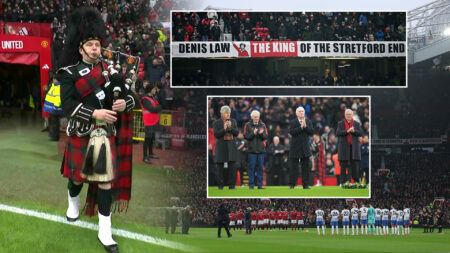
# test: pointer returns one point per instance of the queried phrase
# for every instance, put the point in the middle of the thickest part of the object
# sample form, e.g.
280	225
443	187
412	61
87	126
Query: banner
236	49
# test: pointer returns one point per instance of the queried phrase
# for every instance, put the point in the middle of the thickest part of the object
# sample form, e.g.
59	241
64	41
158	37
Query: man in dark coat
300	129
226	153
223	220
349	151
365	151
241	164
186	219
276	152
255	132
248	220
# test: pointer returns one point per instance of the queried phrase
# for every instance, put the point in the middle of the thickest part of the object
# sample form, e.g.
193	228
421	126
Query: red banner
178	136
24	49
30	29
2	27
274	49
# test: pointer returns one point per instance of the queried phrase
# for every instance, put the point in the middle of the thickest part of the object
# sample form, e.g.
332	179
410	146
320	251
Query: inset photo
288	49
288	147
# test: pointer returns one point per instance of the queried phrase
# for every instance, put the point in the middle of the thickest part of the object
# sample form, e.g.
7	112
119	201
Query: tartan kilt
75	153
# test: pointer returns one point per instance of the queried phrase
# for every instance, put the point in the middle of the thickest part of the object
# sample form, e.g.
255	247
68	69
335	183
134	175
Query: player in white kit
320	221
355	212
393	220
378	221
363	211
334	221
385	221
346	220
400	222
406	220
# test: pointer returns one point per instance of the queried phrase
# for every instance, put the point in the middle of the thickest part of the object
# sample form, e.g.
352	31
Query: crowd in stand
203	78
285	26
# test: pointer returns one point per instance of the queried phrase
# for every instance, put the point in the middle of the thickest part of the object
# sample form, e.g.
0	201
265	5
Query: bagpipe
118	83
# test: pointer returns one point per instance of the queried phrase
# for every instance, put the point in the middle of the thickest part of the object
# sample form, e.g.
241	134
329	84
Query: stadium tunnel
25	62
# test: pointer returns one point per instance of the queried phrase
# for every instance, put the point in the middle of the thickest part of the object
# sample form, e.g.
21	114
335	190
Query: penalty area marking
92	226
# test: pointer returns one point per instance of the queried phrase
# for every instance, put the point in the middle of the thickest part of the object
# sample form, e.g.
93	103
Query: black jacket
276	159
222	216
344	147
256	142
226	150
300	147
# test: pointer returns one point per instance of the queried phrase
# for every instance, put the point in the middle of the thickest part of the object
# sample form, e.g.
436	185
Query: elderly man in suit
226	153
349	151
300	129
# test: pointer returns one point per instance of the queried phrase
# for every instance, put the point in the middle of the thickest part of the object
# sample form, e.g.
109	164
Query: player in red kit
254	218
279	219
239	216
300	221
285	219
272	217
232	220
260	219
293	220
266	218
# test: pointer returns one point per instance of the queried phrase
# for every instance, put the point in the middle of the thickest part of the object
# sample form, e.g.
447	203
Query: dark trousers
293	171
185	229
53	127
353	168
226	175
255	162
248	227
223	225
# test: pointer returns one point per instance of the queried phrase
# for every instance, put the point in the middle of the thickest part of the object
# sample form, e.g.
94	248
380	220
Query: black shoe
153	156
220	188
230	235
306	187
252	187
147	160
231	188
71	219
291	187
261	188
219	236
110	248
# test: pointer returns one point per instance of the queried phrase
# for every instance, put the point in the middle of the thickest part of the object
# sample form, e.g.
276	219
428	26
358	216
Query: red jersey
293	215
272	215
279	215
239	215
254	216
299	215
266	214
260	216
232	216
285	215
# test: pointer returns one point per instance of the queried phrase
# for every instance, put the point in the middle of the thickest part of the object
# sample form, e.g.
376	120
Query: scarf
347	127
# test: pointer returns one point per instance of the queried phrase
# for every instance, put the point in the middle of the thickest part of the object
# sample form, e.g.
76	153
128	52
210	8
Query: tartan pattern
319	162
90	82
121	148
228	135
121	185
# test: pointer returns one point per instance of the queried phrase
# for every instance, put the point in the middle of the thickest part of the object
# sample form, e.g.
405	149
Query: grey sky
316	5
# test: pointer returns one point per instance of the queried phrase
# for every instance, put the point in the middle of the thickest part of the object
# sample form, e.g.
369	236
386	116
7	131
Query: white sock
353	229
104	230
323	229
318	230
357	230
337	230
332	230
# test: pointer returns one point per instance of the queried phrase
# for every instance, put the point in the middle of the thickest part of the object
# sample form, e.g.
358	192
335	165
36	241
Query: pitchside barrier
176	129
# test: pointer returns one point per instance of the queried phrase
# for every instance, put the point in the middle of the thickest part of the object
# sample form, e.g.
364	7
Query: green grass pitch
284	191
28	234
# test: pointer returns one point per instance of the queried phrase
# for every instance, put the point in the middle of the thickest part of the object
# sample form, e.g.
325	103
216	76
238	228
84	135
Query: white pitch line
92	226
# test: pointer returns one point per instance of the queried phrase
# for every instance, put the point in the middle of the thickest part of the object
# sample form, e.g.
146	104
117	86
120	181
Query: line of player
373	221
